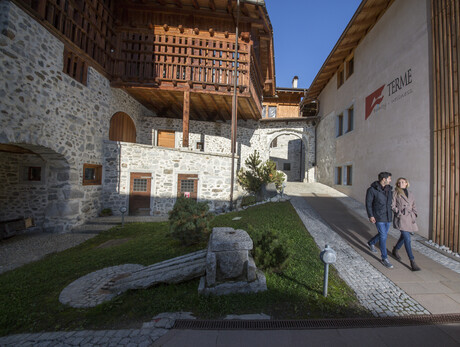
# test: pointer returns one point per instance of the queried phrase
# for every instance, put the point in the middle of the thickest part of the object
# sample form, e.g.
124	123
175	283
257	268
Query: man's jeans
405	238
381	237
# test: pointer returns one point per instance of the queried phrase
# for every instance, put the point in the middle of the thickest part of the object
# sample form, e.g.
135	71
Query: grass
29	296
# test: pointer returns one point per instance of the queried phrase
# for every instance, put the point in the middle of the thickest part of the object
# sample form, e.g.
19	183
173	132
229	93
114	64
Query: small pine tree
189	221
258	174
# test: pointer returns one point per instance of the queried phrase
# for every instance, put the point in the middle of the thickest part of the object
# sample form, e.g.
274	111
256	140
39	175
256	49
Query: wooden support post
185	118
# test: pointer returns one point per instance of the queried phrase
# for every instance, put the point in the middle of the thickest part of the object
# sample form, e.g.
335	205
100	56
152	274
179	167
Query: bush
248	200
189	221
106	212
269	253
258	174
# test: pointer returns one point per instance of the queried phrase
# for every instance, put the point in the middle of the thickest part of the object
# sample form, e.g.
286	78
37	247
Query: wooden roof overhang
205	104
365	17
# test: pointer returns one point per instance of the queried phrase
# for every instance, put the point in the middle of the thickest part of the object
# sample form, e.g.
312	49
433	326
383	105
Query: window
34	173
75	67
338	175
350	67
350	120
287	166
92	174
271	111
340	78
187	185
348	175
339	125
139	185
274	143
264	111
200	146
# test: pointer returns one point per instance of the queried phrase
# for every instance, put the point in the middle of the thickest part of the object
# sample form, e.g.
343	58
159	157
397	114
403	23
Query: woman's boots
414	266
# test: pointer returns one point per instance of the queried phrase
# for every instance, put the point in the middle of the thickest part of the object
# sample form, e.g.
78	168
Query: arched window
122	128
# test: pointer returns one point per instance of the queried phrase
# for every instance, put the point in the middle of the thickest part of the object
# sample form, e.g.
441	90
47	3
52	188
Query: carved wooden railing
86	23
156	58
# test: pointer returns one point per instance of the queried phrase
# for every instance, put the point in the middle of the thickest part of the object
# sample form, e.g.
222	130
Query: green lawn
29	296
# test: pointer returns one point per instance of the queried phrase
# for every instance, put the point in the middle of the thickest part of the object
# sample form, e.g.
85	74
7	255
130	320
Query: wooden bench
12	227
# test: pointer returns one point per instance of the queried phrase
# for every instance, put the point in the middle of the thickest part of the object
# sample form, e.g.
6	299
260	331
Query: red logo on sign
373	100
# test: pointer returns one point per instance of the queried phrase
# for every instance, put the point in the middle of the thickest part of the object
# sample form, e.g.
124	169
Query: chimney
294	82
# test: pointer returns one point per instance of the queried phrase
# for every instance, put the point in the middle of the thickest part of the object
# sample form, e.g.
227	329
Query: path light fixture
327	256
123	211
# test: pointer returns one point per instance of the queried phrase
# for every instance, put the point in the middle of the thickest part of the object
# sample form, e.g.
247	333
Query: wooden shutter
122	128
166	138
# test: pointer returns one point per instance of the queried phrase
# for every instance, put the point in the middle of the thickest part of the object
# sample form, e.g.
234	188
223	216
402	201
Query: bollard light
123	211
327	256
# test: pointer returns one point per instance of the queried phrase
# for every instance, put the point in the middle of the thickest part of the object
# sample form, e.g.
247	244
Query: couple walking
382	205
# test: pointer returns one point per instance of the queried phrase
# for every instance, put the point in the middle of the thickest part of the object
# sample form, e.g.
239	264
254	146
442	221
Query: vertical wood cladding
89	24
445	19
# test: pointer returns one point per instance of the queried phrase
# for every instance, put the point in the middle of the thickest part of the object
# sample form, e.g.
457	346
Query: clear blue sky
305	31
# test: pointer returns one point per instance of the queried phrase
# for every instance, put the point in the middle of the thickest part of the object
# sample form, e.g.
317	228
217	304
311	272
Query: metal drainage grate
316	323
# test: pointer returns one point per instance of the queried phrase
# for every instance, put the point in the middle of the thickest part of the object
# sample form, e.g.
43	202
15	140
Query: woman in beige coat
405	213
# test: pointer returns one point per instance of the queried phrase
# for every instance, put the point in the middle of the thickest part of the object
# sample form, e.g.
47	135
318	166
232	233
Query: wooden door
139	194
166	138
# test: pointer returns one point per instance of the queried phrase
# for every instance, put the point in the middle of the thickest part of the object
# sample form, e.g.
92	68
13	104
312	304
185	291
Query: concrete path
385	292
436	287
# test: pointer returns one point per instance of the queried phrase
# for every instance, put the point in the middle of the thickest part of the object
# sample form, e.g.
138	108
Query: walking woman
405	213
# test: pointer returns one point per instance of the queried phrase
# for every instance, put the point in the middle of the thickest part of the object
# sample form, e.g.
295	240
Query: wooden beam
244	9
186	118
212	5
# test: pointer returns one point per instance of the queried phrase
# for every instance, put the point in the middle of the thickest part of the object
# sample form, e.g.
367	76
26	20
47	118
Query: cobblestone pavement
374	291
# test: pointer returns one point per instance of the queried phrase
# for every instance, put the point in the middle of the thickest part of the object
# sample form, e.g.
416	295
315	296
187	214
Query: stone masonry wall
121	159
44	107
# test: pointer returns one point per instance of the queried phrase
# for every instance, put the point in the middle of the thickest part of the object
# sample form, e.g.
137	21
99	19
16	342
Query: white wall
396	136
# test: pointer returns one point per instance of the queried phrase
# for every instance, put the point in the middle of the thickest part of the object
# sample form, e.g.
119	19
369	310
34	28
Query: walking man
378	205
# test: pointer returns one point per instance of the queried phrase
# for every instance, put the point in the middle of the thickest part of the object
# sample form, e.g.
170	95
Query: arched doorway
36	183
288	152
122	128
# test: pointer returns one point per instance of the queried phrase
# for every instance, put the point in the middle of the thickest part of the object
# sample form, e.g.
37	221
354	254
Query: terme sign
374	101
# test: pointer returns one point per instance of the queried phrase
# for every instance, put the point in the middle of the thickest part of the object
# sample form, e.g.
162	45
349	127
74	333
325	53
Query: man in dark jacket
378	205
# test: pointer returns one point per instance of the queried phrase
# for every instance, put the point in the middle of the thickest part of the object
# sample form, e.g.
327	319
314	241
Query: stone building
109	104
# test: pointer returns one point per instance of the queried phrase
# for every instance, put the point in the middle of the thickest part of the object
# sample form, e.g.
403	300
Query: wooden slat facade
445	17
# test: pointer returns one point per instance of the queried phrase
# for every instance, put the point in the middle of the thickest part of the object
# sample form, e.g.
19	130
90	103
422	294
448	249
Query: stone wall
164	164
43	107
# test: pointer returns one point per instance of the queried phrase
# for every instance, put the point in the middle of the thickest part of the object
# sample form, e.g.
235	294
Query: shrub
189	221
248	200
258	174
269	252
106	212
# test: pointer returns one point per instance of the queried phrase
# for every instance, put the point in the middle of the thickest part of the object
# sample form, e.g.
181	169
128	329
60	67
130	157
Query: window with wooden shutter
122	128
166	138
187	185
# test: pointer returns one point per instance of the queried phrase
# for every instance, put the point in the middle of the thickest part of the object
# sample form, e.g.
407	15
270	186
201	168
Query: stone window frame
97	180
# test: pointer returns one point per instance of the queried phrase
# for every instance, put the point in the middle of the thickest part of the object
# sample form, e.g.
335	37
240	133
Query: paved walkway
435	289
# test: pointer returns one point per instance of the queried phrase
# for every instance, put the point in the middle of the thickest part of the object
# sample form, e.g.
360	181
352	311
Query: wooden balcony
157	69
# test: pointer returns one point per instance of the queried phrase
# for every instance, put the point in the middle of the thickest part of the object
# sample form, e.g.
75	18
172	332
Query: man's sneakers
387	264
372	248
